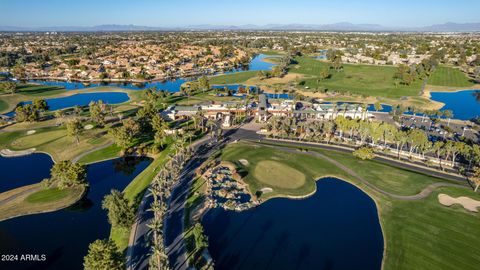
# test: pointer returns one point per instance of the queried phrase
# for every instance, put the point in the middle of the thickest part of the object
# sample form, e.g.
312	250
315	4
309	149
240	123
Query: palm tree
438	149
448	114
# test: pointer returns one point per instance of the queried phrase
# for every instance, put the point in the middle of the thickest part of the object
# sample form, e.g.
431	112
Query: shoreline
28	190
12	101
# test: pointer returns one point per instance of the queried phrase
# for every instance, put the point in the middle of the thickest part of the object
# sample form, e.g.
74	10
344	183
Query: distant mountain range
342	26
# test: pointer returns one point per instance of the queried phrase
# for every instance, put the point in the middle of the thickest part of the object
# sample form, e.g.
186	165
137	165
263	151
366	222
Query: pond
13	176
336	228
84	99
169	85
63	236
81	100
464	104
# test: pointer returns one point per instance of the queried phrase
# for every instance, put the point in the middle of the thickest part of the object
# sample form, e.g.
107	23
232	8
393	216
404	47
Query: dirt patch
265	83
467	203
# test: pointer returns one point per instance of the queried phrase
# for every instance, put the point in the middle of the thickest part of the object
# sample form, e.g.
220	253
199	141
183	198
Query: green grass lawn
367	80
278	174
386	177
420	234
310	168
234	78
39	90
48	195
54	140
32	199
134	192
427	235
112	151
3	105
448	76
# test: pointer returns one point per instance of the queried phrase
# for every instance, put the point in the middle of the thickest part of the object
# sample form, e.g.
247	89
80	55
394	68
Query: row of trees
381	136
160	190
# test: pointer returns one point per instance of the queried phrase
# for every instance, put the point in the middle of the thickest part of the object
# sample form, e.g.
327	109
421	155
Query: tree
120	212
159	126
125	134
9	87
201	240
97	112
26	113
204	83
67	174
74	129
438	149
476	178
416	138
364	153
448	114
103	255
19	72
378	106
261	74
324	73
59	115
477	71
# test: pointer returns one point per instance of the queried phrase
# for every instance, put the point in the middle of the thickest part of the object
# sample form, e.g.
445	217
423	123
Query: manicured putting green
277	174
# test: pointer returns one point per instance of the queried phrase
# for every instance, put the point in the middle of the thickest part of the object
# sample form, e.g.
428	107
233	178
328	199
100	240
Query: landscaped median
34	199
134	193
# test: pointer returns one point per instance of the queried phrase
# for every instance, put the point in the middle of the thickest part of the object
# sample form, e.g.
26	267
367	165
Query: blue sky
35	13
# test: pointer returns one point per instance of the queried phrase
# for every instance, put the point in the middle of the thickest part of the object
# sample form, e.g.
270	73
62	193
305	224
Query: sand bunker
467	203
30	132
244	162
89	126
266	190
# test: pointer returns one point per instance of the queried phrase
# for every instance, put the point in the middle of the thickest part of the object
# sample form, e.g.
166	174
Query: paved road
138	252
174	227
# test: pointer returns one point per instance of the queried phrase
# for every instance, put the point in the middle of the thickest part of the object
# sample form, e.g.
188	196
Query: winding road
138	249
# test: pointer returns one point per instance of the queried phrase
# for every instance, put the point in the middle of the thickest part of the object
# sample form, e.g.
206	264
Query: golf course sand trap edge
467	203
244	162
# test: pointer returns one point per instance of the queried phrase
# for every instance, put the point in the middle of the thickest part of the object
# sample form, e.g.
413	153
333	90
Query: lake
173	85
82	99
464	104
64	235
13	176
336	228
